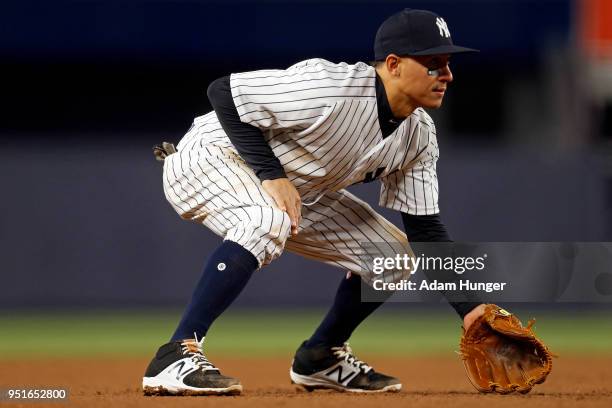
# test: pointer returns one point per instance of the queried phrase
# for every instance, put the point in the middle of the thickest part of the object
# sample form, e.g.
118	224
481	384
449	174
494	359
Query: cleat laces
195	350
345	352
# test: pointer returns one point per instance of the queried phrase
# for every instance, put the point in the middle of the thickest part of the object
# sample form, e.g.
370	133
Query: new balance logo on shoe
180	374
340	380
181	368
337	368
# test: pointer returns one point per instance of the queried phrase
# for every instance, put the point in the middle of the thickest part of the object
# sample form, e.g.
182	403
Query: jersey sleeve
414	188
300	95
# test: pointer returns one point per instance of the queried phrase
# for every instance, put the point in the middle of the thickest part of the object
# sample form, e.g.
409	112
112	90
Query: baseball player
267	170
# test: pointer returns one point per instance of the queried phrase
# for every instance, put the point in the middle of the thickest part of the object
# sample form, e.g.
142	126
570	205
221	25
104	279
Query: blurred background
89	86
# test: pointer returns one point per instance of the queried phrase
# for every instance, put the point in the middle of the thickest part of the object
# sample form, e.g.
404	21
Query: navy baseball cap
414	32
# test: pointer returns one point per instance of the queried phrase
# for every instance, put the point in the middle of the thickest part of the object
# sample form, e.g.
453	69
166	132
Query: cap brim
444	49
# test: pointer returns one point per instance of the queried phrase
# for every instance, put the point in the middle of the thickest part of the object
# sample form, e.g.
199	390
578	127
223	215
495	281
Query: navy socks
345	315
225	274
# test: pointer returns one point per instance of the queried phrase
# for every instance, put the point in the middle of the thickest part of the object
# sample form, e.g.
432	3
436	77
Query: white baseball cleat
180	368
337	368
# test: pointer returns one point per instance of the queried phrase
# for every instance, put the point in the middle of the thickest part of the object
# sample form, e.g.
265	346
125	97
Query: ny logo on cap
443	27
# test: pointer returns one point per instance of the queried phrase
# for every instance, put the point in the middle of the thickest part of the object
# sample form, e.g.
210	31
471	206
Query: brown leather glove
500	355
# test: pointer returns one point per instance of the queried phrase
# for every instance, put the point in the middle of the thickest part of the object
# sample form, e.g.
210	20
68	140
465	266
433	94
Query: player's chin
434	102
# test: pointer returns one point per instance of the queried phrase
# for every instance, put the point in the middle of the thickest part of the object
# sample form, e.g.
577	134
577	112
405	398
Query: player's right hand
287	199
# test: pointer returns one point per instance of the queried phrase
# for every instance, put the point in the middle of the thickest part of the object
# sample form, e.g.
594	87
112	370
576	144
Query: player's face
424	79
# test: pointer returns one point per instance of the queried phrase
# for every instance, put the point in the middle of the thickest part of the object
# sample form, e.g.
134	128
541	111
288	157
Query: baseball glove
500	355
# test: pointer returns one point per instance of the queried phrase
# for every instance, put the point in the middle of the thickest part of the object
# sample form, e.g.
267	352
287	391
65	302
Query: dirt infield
428	382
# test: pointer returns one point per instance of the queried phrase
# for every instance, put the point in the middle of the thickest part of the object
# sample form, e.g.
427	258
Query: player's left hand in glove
500	355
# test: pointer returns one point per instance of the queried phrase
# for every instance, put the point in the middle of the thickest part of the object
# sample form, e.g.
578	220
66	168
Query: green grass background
262	332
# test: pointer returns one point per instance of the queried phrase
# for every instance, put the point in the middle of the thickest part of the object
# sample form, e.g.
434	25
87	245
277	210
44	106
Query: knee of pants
263	234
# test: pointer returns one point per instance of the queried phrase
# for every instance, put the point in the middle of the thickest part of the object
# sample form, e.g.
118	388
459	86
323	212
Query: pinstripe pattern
321	121
335	229
215	187
342	230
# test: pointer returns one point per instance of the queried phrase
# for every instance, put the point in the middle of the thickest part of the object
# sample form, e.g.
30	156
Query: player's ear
392	63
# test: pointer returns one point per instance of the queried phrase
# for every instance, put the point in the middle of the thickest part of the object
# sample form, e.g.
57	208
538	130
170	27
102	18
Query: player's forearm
425	228
430	228
248	139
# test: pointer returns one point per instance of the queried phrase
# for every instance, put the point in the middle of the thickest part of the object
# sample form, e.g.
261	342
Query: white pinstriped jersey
321	120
